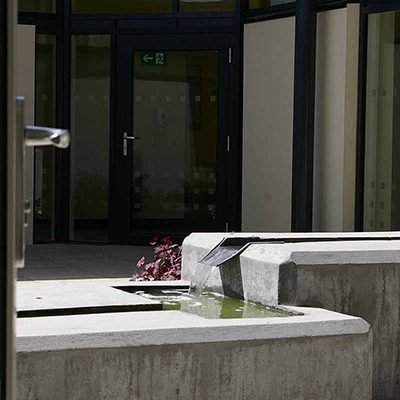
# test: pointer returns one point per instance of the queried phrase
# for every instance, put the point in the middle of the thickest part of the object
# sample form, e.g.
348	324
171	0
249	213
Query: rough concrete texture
357	278
286	369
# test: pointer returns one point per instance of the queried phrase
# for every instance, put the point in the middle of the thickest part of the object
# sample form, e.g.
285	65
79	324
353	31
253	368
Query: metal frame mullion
361	124
3	198
62	191
303	119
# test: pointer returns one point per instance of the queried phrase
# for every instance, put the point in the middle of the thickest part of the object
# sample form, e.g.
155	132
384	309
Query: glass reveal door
171	137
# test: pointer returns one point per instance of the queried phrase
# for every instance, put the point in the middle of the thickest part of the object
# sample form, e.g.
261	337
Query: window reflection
382	135
176	113
90	98
45	115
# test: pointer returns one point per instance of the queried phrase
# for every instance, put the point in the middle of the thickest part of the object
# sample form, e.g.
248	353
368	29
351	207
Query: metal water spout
227	249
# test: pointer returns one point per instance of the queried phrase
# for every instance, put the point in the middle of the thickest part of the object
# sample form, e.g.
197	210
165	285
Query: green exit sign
154	58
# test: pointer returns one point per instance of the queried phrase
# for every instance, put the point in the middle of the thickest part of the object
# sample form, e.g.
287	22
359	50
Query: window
207	5
90	120
254	4
382	132
43	6
120	6
45	115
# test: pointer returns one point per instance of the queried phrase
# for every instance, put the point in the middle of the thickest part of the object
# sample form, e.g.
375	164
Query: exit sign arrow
147	58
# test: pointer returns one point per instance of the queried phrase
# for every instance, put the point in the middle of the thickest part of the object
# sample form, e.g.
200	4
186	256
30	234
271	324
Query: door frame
126	46
63	24
8	18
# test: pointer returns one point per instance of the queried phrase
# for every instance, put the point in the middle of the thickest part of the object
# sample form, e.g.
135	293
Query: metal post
304	111
3	197
8	17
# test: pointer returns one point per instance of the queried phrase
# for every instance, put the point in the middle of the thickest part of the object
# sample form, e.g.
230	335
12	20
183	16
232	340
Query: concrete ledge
177	356
174	327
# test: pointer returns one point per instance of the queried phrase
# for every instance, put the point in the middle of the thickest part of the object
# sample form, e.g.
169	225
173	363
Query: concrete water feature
172	355
311	354
360	278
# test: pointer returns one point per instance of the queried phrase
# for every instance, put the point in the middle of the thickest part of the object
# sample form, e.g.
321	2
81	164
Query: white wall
336	119
268	125
25	82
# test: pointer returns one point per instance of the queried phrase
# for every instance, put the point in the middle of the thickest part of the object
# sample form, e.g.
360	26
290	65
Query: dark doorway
171	136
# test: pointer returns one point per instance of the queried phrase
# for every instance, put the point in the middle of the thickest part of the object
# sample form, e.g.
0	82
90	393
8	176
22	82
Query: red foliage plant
166	263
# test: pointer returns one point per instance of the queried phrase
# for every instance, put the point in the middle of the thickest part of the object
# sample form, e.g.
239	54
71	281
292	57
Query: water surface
211	305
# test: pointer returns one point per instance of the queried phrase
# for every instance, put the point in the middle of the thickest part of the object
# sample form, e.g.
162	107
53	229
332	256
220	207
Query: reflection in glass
45	115
207	5
43	6
253	4
120	6
176	115
90	104
382	135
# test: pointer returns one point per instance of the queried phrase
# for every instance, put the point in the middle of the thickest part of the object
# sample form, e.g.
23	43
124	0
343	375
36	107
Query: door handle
43	136
28	136
125	142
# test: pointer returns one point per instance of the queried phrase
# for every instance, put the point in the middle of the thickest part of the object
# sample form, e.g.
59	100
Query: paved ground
74	261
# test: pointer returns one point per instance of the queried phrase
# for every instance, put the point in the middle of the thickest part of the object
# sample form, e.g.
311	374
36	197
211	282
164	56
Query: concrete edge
175	327
113	282
309	254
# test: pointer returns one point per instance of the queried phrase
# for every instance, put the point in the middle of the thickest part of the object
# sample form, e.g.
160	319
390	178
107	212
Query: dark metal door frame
3	197
7	201
64	25
127	45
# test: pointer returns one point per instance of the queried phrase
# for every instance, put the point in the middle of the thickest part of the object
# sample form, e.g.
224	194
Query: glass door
170	144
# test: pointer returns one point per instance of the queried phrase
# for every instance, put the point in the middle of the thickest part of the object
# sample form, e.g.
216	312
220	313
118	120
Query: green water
211	305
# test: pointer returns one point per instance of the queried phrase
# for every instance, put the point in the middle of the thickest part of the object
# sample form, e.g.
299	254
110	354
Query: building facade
182	117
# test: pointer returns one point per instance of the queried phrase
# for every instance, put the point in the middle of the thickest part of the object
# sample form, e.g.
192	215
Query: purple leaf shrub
166	263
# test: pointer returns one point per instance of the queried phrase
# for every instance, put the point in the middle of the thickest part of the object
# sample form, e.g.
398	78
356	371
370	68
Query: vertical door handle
19	212
29	136
125	142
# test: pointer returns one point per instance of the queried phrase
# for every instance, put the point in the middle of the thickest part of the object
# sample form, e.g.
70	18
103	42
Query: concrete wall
336	119
303	369
25	82
268	125
354	285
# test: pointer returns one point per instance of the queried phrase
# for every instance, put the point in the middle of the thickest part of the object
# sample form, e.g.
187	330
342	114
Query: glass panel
44	6
90	97
266	3
207	5
45	115
382	141
176	115
120	6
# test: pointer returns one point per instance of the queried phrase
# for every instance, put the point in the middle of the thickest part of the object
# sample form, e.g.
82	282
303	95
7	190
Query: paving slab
76	297
81	261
